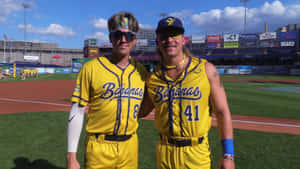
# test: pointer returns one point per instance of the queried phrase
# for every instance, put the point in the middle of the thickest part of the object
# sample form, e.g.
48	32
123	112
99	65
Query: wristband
228	156
228	146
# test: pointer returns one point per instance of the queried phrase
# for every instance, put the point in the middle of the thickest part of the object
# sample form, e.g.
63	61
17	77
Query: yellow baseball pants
101	153
195	156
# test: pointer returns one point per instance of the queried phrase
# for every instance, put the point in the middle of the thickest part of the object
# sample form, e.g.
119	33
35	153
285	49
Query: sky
68	23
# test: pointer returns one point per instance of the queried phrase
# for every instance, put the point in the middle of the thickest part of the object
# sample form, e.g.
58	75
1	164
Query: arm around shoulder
146	106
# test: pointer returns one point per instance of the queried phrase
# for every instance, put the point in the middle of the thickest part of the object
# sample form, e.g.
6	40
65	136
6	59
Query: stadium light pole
245	15
25	6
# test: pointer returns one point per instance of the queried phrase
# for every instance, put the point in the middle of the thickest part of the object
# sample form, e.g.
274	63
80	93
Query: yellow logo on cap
170	21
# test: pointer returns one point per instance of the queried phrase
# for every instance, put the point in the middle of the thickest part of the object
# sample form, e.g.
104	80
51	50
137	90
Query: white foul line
35	102
67	105
265	123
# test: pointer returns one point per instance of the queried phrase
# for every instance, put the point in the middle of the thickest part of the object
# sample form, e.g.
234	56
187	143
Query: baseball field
265	112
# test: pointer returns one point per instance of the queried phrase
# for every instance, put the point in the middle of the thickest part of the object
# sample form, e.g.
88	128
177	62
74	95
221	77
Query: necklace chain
175	66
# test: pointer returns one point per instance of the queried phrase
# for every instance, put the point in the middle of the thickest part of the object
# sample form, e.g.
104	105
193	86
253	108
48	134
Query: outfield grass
38	141
244	98
248	98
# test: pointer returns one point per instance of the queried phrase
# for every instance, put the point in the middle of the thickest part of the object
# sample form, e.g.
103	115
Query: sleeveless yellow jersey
182	105
113	94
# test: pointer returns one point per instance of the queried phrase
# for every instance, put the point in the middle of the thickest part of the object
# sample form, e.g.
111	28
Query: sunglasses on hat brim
167	34
118	35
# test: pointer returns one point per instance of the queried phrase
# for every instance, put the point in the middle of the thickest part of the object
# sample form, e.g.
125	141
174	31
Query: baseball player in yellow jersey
184	91
113	87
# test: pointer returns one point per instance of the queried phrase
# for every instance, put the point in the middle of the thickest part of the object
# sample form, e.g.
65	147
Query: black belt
114	137
183	142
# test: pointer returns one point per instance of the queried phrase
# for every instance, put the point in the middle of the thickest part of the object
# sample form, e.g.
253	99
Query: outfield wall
223	69
258	70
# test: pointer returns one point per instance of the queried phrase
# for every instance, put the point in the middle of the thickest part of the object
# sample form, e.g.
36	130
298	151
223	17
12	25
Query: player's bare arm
221	109
146	106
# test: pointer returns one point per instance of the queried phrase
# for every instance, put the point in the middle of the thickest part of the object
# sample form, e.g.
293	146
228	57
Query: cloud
52	29
231	19
100	23
147	26
182	15
7	7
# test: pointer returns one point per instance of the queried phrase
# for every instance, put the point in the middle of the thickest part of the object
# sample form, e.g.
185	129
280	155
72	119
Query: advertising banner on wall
248	37
248	44
152	43
231	37
267	36
287	35
93	51
287	44
77	63
32	58
187	40
106	45
41	70
271	43
198	39
214	45
49	70
62	70
91	42
231	44
214	38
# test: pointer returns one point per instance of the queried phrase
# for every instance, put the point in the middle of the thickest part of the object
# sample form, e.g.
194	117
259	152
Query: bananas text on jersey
185	93
111	92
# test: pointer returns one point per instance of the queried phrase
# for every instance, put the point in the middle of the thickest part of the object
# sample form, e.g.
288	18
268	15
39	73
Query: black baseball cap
169	23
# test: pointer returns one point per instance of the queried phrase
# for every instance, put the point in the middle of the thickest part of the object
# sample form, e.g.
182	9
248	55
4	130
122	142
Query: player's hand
226	164
72	162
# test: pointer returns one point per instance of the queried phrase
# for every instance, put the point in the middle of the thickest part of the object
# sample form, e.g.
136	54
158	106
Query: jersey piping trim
196	66
128	113
170	110
129	61
118	106
180	113
80	98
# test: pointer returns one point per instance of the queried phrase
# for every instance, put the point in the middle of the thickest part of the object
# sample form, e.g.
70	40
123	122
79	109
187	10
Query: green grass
244	98
38	141
247	98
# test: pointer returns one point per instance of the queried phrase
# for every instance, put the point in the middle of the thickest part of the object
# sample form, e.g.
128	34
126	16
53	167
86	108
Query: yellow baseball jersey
113	94
182	105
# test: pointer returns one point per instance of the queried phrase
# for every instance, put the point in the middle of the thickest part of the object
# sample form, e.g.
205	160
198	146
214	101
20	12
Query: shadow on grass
24	163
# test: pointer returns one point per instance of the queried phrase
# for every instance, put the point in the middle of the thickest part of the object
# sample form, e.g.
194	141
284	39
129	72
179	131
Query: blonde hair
116	19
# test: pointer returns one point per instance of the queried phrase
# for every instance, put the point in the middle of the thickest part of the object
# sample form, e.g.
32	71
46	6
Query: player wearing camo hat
113	88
